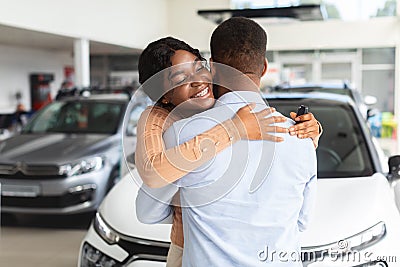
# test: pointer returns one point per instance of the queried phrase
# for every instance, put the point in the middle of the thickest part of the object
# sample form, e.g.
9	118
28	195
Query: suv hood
347	206
52	148
344	207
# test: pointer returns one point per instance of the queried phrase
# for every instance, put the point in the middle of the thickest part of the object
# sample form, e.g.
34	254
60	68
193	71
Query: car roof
316	97
123	98
339	86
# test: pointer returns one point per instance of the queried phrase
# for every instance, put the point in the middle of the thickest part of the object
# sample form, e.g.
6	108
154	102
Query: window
378	76
77	117
342	150
335	9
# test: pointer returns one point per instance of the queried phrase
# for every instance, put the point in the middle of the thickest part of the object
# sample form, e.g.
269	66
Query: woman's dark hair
157	57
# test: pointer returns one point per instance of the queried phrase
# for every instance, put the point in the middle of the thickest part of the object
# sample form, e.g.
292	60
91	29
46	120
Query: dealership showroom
79	186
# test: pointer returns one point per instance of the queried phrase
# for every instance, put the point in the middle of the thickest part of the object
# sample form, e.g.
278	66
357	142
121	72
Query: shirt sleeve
158	166
309	195
153	204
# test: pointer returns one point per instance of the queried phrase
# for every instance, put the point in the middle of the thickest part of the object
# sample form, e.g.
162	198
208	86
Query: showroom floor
41	241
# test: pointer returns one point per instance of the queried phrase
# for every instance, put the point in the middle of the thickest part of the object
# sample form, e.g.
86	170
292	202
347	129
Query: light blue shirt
247	206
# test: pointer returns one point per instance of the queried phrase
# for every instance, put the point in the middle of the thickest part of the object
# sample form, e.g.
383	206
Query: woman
156	165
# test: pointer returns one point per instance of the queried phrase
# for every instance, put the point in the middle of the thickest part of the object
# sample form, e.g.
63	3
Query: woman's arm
156	165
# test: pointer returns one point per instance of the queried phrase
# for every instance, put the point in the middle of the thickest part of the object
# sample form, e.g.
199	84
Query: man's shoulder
289	122
211	116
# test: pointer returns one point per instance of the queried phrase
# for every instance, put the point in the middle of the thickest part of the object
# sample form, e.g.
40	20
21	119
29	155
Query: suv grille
29	172
63	201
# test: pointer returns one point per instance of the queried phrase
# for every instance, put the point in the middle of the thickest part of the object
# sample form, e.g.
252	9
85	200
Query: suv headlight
84	166
92	257
356	242
108	234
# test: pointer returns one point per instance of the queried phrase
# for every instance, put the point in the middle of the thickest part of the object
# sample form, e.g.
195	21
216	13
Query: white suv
356	221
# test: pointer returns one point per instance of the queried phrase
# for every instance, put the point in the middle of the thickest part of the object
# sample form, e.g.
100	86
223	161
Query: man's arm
310	188
153	205
309	194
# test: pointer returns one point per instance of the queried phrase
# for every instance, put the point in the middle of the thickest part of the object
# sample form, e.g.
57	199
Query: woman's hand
307	127
255	126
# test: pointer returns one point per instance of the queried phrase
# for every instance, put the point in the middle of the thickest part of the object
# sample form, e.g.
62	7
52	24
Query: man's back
247	205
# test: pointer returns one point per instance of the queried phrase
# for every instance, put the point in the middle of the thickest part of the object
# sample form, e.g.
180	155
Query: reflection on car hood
348	206
119	211
52	148
344	207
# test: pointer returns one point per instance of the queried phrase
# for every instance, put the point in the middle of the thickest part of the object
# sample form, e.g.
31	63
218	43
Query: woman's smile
203	93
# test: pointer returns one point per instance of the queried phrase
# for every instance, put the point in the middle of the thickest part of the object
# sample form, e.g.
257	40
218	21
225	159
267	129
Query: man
247	206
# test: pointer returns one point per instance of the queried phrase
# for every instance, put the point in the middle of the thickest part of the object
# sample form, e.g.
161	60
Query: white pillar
397	94
397	83
398	9
82	63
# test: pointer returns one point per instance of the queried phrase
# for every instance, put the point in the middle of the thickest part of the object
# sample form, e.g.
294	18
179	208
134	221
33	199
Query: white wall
15	66
185	24
131	23
378	32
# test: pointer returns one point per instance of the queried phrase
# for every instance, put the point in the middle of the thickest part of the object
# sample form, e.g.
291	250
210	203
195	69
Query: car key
301	111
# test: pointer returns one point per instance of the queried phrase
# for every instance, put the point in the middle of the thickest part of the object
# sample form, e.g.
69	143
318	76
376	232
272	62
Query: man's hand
255	126
307	126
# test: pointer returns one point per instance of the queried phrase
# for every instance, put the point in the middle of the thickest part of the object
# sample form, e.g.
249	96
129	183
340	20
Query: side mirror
370	100
394	168
372	112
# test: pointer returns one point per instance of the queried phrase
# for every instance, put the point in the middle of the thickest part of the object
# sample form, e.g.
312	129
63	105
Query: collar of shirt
240	97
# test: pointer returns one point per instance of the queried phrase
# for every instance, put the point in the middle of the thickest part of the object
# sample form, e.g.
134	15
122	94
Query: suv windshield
342	150
77	117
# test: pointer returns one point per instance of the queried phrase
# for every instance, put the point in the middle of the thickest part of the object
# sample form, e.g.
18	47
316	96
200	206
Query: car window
342	150
77	117
133	119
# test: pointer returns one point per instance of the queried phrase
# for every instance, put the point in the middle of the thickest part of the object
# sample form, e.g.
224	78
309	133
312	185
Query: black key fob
302	110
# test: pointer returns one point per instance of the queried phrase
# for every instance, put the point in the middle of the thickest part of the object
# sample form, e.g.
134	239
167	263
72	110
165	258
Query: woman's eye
200	68
179	79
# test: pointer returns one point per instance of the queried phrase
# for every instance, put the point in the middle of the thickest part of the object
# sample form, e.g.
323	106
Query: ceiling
19	37
286	13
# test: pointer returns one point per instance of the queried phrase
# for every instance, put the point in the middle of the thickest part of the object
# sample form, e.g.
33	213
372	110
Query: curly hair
157	57
240	43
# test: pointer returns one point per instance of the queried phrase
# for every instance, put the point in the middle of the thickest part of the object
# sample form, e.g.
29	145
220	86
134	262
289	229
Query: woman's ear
164	101
265	67
166	98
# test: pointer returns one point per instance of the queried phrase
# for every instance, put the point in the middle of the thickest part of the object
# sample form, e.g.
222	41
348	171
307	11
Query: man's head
240	43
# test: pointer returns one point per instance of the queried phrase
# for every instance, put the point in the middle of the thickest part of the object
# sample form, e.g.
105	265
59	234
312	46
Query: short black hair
157	57
240	43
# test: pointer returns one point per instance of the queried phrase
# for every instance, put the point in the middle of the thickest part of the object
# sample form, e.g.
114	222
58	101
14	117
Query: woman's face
189	82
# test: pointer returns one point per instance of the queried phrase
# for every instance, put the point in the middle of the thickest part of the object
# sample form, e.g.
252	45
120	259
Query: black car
363	103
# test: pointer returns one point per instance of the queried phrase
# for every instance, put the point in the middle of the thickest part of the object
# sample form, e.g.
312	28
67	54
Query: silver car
67	157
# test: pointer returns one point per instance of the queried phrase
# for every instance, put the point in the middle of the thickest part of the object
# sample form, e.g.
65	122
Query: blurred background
54	49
